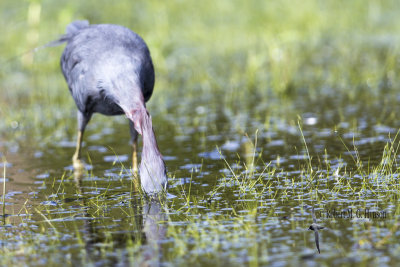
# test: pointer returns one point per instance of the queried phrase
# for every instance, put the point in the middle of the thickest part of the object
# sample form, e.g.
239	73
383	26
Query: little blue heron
109	70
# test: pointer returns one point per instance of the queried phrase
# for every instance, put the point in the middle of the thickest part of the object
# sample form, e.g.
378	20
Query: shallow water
231	200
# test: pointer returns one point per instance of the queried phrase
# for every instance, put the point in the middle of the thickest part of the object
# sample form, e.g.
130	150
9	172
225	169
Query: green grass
226	54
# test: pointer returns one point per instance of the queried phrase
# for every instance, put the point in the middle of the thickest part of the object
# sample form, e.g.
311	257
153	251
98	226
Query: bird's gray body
99	56
109	70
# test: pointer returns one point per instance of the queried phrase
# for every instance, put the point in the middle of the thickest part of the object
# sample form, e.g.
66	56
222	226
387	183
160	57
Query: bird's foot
77	164
134	164
78	175
135	171
79	170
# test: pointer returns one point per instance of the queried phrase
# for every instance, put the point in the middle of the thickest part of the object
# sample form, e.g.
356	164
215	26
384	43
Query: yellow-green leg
134	137
134	157
136	181
77	155
83	120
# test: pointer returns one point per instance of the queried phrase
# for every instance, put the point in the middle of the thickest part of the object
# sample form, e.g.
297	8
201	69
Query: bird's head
153	174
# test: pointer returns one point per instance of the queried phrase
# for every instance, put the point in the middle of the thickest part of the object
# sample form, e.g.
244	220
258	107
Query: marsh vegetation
262	109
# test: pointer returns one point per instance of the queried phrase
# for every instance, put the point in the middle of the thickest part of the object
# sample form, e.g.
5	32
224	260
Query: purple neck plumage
143	125
152	168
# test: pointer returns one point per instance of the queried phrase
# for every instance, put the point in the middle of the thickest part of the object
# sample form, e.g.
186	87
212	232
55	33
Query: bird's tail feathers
72	29
76	26
64	38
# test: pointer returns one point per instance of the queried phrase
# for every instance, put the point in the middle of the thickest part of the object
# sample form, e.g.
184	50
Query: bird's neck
143	125
149	138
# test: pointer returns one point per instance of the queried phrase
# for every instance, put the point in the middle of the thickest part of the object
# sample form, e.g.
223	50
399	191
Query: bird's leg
76	162
134	138
83	120
134	157
77	155
135	165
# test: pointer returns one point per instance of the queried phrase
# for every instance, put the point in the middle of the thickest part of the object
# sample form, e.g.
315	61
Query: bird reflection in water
147	227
